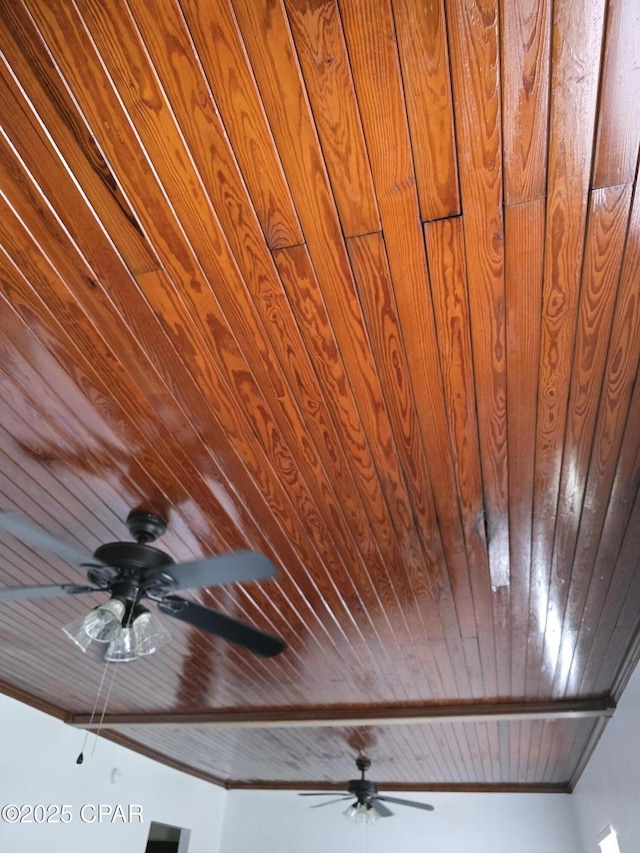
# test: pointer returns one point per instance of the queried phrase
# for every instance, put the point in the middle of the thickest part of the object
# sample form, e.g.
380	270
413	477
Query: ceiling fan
369	804
133	571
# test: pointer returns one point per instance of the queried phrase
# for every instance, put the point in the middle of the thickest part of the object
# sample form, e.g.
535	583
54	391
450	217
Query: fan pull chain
126	624
80	757
104	710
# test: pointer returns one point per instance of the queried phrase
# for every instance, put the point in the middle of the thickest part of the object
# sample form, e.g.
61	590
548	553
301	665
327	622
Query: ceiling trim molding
36	702
418	788
379	716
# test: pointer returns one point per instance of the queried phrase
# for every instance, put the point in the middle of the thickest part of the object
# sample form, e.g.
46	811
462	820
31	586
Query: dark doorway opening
164	838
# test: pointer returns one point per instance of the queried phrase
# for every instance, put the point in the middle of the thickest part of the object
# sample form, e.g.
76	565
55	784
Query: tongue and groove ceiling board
355	284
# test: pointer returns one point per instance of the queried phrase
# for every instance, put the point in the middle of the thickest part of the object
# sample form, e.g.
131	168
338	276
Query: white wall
38	766
609	790
283	822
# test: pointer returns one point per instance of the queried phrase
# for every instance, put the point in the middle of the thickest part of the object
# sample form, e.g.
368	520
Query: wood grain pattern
578	32
394	180
445	247
618	134
611	456
525	44
25	56
270	303
613	609
424	57
236	95
353	283
302	288
432	585
295	134
605	241
78	277
474	34
324	62
524	253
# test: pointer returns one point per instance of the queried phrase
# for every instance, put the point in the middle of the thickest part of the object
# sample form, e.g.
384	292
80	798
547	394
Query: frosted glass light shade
149	633
75	631
361	813
122	649
104	623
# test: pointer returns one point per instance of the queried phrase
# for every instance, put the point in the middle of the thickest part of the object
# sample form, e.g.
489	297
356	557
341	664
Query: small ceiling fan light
361	813
123	648
104	622
350	811
149	632
76	632
366	814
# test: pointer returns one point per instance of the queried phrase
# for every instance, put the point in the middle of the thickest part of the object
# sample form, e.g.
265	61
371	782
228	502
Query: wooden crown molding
387	716
453	787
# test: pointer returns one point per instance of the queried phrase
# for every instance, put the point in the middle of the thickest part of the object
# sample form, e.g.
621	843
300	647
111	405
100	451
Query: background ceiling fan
369	804
134	571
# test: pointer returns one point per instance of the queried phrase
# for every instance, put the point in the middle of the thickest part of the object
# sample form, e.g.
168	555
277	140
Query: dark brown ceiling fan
134	571
369	804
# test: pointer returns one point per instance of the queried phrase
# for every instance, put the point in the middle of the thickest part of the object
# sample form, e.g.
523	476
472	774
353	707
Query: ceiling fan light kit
361	813
129	628
132	571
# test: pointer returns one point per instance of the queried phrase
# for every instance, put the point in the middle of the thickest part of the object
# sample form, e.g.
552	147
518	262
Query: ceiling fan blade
237	567
22	593
411	803
224	626
382	810
31	534
330	802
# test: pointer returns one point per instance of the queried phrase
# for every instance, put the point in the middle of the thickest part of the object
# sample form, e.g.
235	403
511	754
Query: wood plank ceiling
355	284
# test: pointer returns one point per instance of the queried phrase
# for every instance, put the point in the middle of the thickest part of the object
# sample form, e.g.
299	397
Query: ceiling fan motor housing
135	562
363	789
